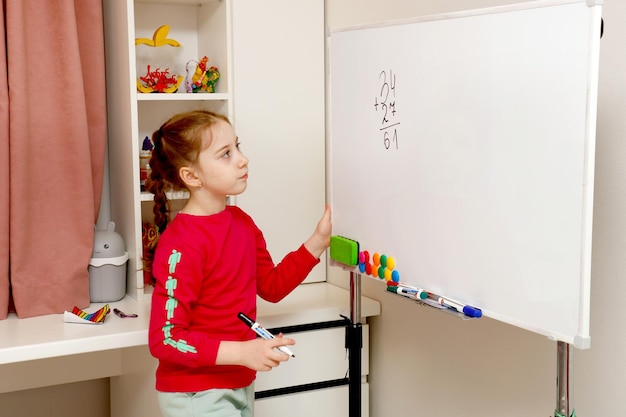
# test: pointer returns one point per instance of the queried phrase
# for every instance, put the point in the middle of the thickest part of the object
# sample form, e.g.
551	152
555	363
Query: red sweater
207	270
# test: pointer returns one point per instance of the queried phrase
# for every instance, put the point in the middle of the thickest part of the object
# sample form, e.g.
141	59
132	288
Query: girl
209	264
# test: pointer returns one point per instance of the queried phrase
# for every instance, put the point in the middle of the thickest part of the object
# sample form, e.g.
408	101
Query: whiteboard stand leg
354	344
563	380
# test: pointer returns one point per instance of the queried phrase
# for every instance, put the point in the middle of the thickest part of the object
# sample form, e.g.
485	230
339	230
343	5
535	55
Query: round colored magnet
366	256
388	274
381	272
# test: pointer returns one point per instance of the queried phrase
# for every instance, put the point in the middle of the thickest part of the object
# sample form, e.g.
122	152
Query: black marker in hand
258	329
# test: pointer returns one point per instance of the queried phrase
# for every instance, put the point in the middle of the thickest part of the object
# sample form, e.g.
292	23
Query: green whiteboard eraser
344	250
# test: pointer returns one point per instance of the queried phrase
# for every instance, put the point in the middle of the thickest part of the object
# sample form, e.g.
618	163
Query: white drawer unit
314	382
328	402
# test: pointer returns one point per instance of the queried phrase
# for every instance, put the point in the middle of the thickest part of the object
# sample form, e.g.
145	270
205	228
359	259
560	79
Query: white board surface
462	145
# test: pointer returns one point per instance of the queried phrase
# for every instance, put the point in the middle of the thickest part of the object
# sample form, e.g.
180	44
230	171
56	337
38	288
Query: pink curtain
4	175
55	146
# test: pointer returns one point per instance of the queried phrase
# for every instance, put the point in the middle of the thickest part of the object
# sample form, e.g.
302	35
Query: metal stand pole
354	343
563	379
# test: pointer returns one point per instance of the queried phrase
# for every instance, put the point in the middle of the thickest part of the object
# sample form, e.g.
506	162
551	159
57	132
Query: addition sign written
385	102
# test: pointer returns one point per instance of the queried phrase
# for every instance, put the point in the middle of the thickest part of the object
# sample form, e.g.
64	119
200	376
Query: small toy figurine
203	78
158	81
144	158
159	38
147	145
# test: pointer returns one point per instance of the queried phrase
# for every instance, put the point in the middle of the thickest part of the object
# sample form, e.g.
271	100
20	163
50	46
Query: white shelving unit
270	54
203	28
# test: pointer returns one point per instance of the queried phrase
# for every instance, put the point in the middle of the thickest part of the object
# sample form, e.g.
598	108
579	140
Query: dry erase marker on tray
461	308
408	292
258	329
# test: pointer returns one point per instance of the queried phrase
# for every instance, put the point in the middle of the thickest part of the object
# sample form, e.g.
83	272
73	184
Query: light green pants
210	403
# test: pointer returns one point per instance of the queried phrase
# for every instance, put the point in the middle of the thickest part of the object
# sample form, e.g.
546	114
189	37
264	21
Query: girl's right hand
262	355
257	354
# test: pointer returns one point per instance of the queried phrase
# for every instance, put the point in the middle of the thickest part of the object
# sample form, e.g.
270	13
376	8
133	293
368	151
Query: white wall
424	363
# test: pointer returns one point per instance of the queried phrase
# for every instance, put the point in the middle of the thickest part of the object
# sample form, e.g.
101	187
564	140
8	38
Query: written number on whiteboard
385	103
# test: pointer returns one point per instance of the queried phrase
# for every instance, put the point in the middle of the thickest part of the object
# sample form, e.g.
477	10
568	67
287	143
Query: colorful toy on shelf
144	161
158	81
203	78
149	234
159	38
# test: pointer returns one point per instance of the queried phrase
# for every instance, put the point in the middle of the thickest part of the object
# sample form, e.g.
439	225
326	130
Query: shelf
182	97
179	2
171	195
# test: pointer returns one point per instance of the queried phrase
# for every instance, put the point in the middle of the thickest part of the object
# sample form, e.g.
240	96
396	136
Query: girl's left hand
320	239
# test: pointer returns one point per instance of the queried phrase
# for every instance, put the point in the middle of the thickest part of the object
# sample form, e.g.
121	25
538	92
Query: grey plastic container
107	267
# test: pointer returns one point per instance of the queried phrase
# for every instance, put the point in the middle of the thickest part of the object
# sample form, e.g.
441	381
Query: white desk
48	336
43	351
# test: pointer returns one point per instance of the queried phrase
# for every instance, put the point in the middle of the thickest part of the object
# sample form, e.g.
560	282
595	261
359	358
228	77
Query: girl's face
222	168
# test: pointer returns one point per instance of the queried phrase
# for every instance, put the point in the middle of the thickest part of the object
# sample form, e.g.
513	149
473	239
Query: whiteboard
462	145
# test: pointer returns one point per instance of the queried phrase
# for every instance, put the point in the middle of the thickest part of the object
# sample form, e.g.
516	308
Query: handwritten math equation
385	107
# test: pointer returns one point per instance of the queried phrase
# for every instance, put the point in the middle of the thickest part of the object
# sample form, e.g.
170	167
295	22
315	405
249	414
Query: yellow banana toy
159	38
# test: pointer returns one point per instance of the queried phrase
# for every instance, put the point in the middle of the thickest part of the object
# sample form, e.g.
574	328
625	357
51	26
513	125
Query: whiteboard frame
582	339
